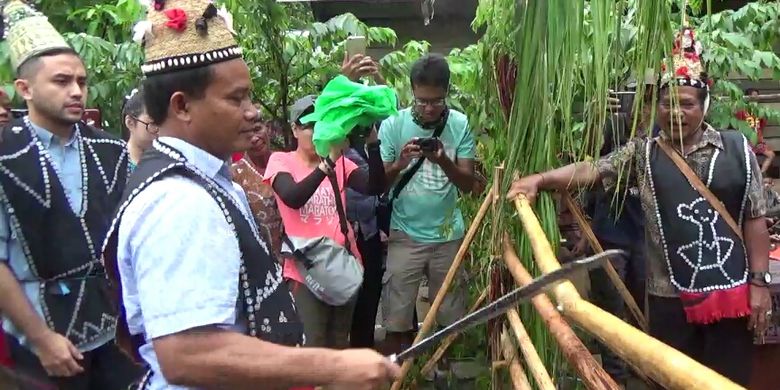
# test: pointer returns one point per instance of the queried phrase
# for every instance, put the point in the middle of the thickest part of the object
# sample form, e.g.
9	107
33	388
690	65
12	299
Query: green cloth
342	106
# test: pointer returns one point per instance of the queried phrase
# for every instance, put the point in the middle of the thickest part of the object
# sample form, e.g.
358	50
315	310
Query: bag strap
340	209
407	177
699	186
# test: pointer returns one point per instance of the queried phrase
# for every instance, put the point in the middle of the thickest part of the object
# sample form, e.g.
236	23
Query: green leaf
737	40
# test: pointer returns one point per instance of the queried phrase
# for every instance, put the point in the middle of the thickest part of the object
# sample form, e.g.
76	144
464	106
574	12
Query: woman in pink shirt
306	202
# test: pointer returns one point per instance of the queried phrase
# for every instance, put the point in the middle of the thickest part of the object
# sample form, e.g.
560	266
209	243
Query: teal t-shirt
426	209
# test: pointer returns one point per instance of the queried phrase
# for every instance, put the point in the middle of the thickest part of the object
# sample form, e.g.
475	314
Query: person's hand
358	66
528	186
410	151
581	247
613	102
337	150
363	369
437	156
760	307
58	356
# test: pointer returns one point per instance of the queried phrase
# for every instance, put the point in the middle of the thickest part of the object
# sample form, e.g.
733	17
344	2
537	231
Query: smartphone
356	44
91	117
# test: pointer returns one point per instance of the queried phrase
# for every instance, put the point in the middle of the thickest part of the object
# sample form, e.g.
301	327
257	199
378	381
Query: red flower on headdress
177	19
710	82
682	71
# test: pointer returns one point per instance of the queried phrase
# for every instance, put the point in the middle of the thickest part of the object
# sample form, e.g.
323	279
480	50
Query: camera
427	144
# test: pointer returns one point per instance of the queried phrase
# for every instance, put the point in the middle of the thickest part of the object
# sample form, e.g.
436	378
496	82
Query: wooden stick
445	344
667	366
760	98
495	276
574	351
636	312
519	379
532	359
453	271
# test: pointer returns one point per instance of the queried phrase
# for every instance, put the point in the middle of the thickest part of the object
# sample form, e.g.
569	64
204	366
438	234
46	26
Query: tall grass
554	62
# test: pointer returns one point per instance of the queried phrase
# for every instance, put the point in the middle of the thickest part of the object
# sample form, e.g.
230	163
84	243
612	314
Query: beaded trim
187	61
107	322
686	82
251	305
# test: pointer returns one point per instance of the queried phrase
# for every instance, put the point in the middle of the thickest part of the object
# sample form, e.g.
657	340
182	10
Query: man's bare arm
213	358
460	173
17	307
58	356
392	169
577	175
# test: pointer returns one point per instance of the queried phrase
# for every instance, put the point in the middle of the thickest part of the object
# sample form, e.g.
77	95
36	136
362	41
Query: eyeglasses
436	103
146	125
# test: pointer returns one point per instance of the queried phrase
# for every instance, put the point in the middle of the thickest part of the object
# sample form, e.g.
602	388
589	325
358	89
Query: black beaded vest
263	300
62	247
702	252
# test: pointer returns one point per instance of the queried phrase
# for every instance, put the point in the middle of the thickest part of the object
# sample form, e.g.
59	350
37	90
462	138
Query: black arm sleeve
371	181
293	194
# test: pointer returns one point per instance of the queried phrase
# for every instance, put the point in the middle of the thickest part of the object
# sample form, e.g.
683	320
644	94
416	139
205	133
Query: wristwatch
763	277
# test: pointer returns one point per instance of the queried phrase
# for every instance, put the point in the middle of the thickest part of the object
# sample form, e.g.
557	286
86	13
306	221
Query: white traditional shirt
178	258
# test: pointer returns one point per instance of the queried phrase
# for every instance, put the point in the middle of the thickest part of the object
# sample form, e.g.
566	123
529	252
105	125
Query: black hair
159	89
30	67
133	106
431	70
748	91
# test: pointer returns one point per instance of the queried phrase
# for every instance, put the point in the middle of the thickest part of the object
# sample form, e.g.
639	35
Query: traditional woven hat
185	34
685	67
29	33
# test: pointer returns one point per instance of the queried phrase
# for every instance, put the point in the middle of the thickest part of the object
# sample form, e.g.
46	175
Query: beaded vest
264	300
702	252
62	248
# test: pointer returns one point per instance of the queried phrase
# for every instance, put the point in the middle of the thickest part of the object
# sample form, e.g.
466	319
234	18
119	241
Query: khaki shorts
407	262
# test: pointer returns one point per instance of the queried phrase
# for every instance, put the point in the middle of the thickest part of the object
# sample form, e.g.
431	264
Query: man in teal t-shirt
426	226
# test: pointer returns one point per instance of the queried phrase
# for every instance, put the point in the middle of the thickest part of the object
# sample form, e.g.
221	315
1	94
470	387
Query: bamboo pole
495	276
448	279
575	352
445	344
516	373
636	312
667	366
532	359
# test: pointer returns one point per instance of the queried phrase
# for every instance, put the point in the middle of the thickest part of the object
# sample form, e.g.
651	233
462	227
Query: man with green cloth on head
428	151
